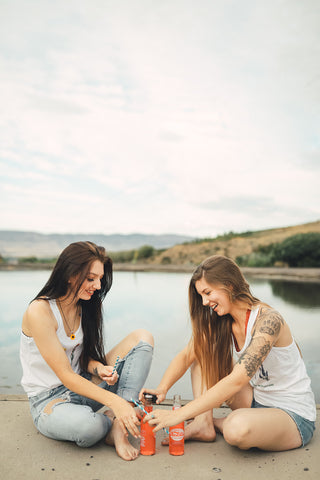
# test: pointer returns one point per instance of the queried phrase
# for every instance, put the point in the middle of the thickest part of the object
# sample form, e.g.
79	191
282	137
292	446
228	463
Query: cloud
251	204
55	105
139	116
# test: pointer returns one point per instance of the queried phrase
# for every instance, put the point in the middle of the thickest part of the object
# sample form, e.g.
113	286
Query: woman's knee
236	429
75	423
142	335
89	433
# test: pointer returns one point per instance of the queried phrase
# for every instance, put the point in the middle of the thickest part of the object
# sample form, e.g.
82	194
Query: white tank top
282	380
37	375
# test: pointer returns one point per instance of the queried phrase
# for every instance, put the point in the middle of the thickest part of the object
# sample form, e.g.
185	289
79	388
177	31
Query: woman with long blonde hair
242	353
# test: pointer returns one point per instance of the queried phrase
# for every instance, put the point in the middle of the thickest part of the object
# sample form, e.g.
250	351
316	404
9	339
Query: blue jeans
76	418
305	427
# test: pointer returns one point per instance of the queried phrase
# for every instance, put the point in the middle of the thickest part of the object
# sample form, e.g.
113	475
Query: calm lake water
159	303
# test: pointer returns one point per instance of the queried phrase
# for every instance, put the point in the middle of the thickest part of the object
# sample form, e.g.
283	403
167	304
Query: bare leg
121	443
201	428
242	399
265	428
130	341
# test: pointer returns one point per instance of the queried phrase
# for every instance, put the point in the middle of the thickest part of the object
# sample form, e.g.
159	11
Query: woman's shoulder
269	319
38	305
266	310
39	309
38	313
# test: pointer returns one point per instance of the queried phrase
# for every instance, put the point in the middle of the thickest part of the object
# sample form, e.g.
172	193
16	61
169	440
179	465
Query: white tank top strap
253	317
56	312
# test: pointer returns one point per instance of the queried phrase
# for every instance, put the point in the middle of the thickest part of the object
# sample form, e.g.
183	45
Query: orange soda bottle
147	437
176	433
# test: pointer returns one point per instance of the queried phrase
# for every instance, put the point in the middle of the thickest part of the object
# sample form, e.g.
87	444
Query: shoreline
278	273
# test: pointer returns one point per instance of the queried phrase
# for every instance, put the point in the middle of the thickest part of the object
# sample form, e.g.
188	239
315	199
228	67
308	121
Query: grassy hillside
231	245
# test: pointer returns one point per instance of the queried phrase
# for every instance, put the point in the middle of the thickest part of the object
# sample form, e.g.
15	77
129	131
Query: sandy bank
302	274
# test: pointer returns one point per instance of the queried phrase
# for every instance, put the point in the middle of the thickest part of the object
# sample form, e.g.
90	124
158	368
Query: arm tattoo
254	355
268	324
95	371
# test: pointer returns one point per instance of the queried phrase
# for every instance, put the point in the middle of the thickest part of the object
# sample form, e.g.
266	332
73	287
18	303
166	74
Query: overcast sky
156	116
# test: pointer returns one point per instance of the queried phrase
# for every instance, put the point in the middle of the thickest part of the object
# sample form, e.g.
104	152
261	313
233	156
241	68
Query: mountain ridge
19	243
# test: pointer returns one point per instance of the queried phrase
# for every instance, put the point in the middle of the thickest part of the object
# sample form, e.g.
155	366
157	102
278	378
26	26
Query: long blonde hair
212	339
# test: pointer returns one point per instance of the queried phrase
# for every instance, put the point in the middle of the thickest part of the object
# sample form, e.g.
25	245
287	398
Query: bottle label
177	434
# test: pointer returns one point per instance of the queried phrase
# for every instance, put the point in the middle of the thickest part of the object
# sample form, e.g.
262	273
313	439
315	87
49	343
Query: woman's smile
213	296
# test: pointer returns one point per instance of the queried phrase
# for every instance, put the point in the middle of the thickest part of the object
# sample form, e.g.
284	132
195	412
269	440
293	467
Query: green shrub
122	256
301	250
146	251
255	259
165	260
28	260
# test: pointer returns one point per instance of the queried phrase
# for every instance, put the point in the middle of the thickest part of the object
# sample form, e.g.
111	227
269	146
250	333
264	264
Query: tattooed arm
265	334
267	330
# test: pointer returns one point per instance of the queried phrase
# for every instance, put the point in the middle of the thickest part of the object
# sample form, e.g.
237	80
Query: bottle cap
150	397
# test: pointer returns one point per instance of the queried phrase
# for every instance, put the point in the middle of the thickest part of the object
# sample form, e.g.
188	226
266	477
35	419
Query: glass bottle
176	433
147	437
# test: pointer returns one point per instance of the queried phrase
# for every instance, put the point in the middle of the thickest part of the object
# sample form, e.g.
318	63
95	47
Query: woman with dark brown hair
242	353
62	348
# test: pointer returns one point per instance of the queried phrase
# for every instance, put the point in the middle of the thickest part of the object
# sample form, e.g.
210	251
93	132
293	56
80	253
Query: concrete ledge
24	398
26	454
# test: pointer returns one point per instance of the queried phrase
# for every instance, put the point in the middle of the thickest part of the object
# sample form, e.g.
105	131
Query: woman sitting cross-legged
62	348
266	385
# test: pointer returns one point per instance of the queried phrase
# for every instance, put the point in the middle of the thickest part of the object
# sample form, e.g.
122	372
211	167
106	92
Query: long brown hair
212	339
75	262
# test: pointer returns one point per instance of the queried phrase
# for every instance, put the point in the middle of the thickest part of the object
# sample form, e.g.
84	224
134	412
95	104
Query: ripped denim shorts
305	427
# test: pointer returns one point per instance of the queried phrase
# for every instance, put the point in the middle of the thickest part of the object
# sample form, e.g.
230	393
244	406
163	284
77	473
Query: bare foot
201	429
117	438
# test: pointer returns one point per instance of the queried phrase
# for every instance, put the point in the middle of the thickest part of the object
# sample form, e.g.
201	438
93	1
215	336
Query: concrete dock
26	454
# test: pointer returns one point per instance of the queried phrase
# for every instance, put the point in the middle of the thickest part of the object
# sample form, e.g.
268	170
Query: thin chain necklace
71	330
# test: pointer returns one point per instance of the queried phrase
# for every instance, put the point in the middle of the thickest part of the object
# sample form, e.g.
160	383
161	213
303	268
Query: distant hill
232	245
19	244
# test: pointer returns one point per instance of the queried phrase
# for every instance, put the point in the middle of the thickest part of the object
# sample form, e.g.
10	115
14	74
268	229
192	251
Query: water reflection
302	294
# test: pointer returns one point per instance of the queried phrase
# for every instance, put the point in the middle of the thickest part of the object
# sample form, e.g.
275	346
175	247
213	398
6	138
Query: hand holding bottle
163	418
158	392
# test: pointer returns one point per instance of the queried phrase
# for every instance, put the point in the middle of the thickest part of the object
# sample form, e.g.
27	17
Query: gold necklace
72	331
